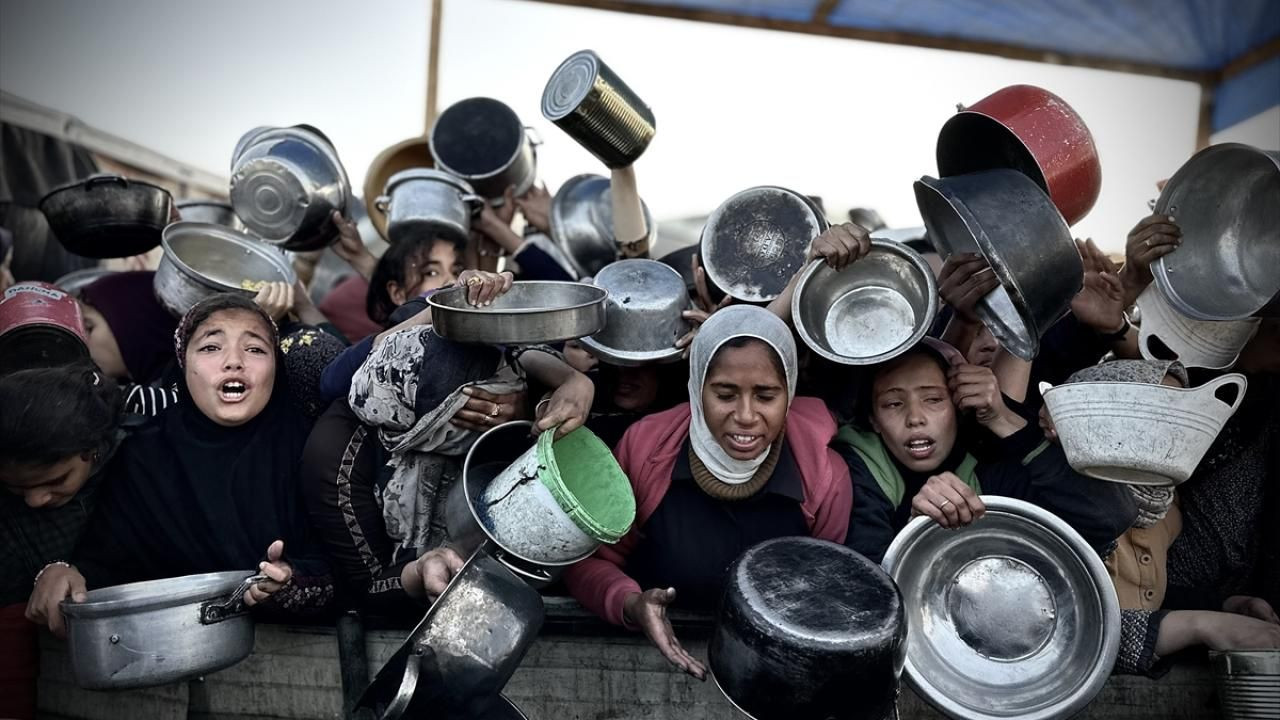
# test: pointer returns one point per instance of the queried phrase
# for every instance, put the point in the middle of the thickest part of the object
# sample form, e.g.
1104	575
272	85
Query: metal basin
285	185
209	211
532	311
873	310
756	240
482	141
457	660
1248	683
586	99
646	299
107	216
421	202
1228	267
823	643
1139	433
1005	217
201	259
582	223
1166	334
156	632
1033	131
1013	616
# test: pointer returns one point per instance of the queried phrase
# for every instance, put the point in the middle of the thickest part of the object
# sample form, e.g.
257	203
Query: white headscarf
735	321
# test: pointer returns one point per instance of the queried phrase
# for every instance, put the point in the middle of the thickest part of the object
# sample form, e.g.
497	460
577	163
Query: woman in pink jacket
742	462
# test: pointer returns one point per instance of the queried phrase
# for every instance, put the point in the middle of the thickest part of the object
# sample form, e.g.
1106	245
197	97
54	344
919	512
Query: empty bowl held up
1140	433
871	311
646	299
532	311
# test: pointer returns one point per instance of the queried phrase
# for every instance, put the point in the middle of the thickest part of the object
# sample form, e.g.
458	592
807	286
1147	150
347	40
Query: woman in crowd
209	485
130	334
741	462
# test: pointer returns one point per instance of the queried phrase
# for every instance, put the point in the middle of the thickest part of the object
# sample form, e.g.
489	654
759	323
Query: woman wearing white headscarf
742	462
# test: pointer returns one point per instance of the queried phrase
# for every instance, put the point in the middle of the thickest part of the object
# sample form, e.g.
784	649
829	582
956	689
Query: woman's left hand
975	388
484	287
278	573
485	410
841	245
568	407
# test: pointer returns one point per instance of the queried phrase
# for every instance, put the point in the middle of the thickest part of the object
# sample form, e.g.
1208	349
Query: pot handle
475	201
105	179
382	203
408	685
215	611
1213	386
535	137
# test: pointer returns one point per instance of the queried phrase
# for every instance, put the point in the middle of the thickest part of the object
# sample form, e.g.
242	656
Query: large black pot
809	630
108	216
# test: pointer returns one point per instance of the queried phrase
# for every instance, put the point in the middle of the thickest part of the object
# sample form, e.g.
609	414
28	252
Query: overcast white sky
851	121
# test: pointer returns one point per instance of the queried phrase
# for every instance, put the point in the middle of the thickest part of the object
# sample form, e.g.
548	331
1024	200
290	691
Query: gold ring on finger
943	504
474	280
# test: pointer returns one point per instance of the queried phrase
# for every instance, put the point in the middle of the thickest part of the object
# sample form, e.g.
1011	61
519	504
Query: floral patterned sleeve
1139	630
305	596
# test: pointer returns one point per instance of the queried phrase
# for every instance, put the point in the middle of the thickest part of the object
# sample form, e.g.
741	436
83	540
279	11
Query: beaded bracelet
63	563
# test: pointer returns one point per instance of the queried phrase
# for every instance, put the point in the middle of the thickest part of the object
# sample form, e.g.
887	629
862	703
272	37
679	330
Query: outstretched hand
648	611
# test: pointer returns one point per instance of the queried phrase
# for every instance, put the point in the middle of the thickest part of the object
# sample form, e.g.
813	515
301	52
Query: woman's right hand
57	583
427	577
484	287
947	500
648	611
840	245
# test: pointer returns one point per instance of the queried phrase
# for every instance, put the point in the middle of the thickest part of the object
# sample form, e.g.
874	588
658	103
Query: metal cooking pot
1248	683
457	660
1166	334
532	311
210	211
412	153
157	632
1228	266
756	241
482	141
872	311
1033	131
40	326
809	629
202	259
646	299
492	453
107	216
75	281
1005	217
1013	616
285	185
582	223
421	202
587	100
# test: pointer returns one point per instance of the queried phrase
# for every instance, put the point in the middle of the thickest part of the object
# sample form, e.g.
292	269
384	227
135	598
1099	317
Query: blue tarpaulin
1179	35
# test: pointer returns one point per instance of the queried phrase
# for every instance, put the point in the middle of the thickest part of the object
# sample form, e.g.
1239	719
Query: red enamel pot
40	326
1031	130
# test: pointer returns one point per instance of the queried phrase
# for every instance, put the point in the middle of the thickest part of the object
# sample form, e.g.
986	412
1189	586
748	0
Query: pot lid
1012	616
756	240
643	313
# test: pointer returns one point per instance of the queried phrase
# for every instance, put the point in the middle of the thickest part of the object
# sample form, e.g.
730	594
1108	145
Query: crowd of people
316	442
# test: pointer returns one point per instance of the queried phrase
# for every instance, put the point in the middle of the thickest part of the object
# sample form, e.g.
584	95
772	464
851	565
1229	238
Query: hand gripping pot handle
1212	387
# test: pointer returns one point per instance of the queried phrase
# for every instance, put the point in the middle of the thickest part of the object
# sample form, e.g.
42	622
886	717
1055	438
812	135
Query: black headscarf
142	328
186	495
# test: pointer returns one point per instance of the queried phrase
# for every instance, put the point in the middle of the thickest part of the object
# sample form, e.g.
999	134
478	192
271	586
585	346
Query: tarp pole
1204	126
433	63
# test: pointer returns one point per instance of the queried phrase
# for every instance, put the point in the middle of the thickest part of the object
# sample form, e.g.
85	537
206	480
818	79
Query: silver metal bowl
756	240
1225	201
202	259
1248	683
1013	616
1005	217
646	299
533	311
873	310
582	223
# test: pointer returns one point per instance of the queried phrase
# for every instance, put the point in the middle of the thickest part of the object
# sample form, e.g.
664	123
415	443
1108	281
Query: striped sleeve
148	400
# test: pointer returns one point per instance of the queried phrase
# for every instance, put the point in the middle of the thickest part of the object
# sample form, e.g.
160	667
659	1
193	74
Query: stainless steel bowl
285	185
210	211
582	223
873	310
1004	216
202	259
646	299
586	99
532	311
1013	616
156	632
1248	683
1225	201
756	240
